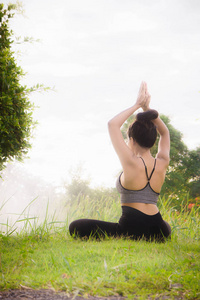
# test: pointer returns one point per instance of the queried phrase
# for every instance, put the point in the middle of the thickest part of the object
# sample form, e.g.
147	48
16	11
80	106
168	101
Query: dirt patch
30	294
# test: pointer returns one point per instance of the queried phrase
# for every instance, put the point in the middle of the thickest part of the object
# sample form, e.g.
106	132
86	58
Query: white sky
96	53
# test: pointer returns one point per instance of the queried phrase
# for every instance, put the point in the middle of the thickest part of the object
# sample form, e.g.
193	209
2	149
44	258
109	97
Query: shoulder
132	166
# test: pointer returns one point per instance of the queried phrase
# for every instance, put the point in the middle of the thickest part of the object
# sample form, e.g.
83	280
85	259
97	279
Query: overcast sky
95	54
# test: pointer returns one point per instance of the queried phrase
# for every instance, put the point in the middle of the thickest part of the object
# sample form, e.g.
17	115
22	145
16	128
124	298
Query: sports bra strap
152	170
149	178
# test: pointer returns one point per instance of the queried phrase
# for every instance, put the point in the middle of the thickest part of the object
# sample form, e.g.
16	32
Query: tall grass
26	223
184	222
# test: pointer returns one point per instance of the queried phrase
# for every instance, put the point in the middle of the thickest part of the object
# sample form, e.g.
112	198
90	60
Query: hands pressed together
144	97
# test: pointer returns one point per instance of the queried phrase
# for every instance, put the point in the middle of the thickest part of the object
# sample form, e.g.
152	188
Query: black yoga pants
133	223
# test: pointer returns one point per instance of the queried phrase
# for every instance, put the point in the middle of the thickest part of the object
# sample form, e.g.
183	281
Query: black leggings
133	223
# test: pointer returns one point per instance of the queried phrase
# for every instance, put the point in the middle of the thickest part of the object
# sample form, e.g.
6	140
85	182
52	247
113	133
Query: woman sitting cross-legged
141	180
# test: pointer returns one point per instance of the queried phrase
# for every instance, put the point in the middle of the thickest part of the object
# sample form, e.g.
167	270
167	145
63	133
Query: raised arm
123	151
164	141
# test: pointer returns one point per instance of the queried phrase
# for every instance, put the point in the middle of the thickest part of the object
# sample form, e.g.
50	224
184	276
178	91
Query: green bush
16	122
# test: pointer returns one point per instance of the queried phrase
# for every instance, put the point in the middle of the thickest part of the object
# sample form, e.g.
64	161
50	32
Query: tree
183	174
16	122
192	172
79	189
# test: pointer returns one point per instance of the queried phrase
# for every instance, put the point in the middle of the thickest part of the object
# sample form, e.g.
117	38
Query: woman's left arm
123	151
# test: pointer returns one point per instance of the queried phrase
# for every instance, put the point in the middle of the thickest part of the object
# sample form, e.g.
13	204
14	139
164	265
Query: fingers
143	95
143	87
146	89
146	97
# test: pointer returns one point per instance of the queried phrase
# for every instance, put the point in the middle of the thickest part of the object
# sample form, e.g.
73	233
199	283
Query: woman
141	180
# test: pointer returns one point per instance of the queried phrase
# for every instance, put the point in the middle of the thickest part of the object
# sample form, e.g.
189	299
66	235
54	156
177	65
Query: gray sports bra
145	195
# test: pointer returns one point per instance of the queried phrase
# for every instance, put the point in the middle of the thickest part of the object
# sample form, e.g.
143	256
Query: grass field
45	256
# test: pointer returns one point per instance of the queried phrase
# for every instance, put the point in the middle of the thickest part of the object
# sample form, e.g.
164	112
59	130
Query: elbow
113	124
109	126
165	133
110	123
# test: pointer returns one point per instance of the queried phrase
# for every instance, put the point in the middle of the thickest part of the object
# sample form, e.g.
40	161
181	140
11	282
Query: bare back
134	177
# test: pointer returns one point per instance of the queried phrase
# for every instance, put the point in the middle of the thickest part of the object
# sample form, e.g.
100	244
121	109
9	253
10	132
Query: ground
28	294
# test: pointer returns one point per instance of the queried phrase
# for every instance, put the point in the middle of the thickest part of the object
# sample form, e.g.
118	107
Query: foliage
16	110
183	174
79	189
192	171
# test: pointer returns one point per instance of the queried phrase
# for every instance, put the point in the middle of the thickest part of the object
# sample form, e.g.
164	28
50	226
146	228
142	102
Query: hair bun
147	116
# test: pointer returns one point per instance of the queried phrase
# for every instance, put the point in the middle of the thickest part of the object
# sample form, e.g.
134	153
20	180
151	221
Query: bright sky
95	54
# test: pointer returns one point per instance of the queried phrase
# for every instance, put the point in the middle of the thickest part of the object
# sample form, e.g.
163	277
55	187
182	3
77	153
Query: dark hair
143	131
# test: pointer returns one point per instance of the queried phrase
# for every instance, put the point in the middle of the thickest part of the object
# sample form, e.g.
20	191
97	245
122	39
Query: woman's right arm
164	141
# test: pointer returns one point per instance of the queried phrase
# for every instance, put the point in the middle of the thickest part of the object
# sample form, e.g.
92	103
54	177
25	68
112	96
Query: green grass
45	256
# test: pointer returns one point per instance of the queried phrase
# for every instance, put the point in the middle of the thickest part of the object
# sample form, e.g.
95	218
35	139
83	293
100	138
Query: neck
140	151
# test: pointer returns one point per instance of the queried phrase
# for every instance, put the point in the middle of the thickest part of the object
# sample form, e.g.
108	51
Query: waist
149	209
